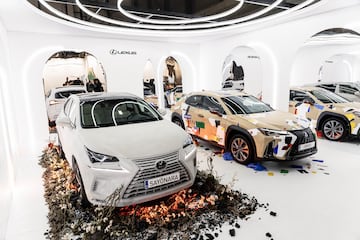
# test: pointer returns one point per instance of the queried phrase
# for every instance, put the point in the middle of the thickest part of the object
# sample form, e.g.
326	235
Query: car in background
150	97
335	117
116	142
173	95
55	99
245	126
348	90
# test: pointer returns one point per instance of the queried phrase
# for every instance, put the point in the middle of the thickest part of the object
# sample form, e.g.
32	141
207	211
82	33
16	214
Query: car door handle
200	115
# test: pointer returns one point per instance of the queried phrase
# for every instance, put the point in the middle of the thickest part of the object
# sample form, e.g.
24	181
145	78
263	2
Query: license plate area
306	146
162	180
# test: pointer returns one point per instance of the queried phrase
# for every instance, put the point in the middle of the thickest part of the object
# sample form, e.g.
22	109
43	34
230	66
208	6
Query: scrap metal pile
193	213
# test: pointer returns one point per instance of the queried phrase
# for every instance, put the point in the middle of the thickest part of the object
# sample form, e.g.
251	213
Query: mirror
309	101
215	111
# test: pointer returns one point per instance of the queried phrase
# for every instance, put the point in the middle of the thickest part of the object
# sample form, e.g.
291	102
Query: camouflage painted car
335	117
245	126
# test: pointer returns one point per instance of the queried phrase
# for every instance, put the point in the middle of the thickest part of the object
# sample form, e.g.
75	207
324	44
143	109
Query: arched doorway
240	71
150	85
329	56
172	81
70	72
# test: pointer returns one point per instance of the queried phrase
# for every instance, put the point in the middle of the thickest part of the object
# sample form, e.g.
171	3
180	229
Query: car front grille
148	170
303	136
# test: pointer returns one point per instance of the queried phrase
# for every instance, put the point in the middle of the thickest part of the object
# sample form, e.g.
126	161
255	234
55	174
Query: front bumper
131	184
300	144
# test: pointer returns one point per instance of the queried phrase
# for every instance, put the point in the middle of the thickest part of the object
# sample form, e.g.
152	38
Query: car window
66	94
195	101
298	96
245	105
330	87
328	97
113	112
347	89
210	103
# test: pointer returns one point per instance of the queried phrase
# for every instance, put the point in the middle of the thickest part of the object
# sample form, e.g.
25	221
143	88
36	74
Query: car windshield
245	105
66	94
328	97
113	112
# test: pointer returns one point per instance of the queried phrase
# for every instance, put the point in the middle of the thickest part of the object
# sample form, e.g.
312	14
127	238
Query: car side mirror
215	111
309	101
357	93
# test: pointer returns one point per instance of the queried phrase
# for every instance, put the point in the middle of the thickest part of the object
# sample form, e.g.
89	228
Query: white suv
55	100
118	142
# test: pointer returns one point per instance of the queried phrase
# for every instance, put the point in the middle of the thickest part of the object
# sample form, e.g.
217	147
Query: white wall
278	48
6	170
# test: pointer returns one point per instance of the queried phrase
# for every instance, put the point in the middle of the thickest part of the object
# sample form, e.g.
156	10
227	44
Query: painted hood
138	140
277	120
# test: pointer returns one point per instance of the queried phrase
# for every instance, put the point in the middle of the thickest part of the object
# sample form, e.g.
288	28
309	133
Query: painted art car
243	125
335	117
56	98
118	142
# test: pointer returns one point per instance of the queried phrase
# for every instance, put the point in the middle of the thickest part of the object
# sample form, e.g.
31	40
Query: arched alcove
150	84
332	55
70	72
242	70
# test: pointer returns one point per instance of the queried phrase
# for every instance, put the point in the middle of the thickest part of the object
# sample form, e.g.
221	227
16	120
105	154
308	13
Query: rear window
66	94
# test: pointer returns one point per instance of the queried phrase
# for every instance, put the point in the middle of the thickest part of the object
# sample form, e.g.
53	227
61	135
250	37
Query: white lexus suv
118	142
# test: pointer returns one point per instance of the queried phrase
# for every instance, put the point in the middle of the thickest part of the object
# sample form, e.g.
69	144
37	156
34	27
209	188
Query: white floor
323	204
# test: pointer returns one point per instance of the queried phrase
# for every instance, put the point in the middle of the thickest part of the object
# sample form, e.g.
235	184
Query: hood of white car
133	141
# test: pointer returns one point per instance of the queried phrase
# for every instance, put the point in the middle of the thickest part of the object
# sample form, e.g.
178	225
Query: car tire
334	129
241	149
84	202
178	122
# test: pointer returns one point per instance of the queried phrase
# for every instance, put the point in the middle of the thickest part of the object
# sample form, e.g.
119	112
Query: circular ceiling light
166	15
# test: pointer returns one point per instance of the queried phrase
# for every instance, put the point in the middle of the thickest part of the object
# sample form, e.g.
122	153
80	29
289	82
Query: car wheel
241	149
334	129
178	122
84	202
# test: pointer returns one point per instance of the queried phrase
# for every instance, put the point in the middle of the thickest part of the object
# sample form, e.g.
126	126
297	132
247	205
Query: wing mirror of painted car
162	111
215	111
357	93
309	101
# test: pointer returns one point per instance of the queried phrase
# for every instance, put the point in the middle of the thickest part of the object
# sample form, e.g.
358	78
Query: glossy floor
321	202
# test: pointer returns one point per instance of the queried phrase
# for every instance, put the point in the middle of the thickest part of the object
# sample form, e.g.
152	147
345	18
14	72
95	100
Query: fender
324	115
237	129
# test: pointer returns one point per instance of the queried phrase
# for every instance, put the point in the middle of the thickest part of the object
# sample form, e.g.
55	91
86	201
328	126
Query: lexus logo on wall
121	52
160	165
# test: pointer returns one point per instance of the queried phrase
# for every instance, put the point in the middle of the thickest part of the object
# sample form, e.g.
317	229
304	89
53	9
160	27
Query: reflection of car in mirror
118	142
335	117
173	95
150	97
55	99
245	126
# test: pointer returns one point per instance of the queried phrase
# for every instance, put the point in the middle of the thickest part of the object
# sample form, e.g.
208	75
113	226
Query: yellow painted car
335	117
245	126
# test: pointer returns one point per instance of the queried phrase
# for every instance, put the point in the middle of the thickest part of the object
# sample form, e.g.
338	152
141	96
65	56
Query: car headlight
357	113
272	132
188	145
100	158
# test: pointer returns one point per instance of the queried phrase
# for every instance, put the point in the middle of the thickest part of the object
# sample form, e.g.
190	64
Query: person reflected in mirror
90	86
